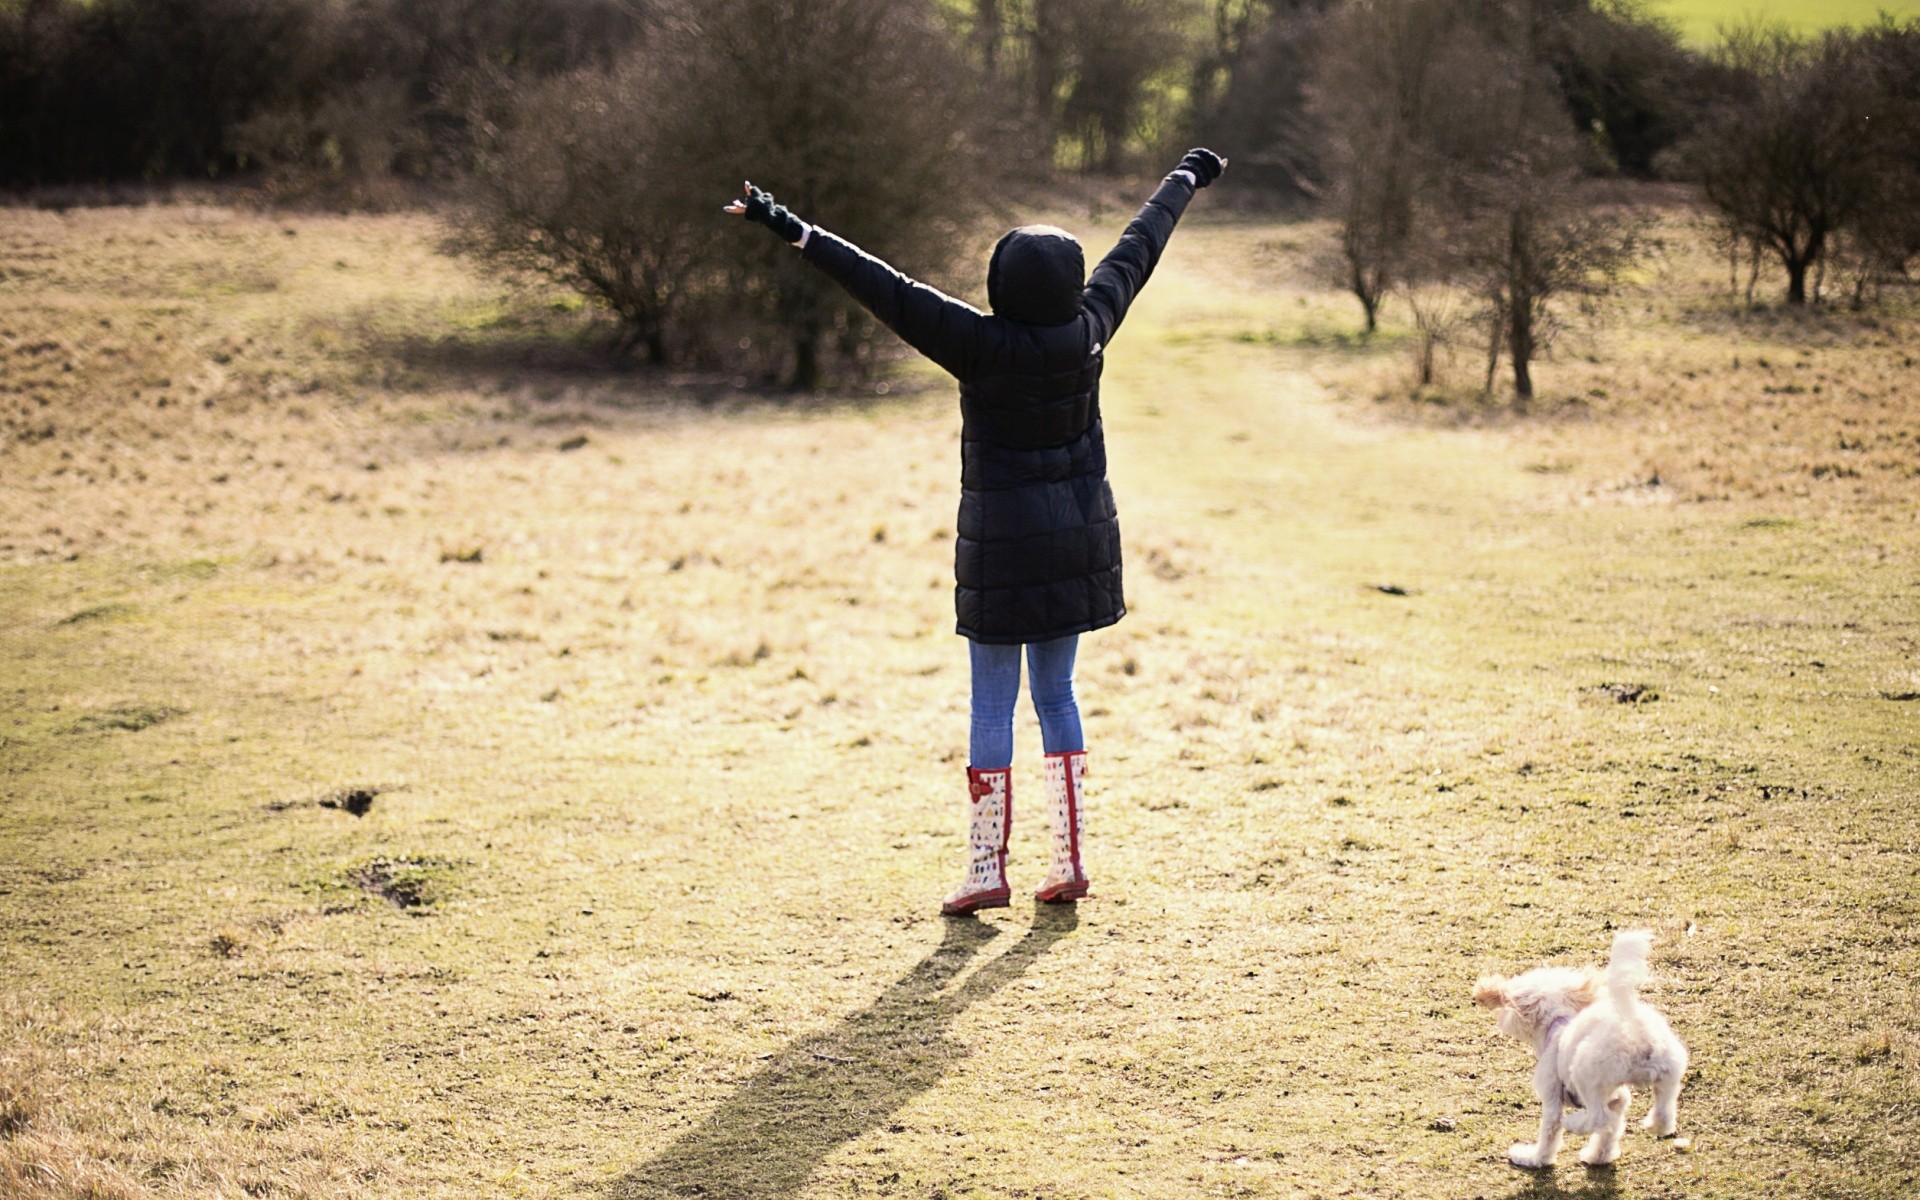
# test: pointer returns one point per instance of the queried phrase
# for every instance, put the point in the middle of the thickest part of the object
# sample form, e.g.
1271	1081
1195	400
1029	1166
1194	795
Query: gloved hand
759	206
1203	164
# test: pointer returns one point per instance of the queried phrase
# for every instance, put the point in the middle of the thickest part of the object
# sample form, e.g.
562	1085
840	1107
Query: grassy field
1701	20
436	764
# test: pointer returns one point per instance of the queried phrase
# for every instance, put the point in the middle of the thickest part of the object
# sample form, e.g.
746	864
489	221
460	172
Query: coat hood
1037	275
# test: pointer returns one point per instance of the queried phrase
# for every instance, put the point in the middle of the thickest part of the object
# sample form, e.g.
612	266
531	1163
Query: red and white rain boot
989	821
1066	878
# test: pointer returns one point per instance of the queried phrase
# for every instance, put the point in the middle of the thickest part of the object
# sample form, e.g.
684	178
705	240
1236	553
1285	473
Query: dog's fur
1609	1044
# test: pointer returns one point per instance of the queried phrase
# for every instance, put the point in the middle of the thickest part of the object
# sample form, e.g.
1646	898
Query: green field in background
1701	20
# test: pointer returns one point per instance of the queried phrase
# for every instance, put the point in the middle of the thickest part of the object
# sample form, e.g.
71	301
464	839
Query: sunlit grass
1702	20
645	693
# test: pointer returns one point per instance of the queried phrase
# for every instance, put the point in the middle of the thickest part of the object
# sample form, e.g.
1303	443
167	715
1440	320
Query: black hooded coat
1038	553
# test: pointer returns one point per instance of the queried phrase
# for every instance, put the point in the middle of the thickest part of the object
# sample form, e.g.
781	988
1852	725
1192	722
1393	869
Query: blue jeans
996	685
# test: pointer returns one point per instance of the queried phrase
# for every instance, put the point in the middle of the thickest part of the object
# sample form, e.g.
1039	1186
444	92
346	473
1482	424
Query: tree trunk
1113	133
1520	349
1522	384
987	29
1520	301
1043	61
648	337
1796	281
1496	327
1364	290
1798	262
806	361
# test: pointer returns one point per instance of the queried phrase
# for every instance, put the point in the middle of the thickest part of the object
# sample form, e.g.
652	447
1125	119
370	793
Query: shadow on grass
541	363
541	358
1577	1183
828	1088
1832	323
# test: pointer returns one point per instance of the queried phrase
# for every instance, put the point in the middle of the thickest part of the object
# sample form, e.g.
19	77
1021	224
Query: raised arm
1126	268
944	329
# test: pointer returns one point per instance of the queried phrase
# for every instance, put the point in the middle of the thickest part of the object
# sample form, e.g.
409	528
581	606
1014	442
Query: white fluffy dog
1596	1042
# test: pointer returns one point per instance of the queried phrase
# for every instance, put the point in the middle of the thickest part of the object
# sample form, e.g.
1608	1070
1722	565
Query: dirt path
658	738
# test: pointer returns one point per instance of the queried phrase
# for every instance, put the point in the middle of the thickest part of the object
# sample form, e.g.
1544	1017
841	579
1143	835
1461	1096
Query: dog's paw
1653	1122
1594	1154
1526	1154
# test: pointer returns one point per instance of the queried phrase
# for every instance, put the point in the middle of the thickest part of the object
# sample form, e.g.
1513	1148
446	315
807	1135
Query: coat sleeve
946	330
1124	271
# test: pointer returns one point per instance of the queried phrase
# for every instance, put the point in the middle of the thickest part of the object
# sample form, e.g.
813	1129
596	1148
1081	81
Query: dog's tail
1627	966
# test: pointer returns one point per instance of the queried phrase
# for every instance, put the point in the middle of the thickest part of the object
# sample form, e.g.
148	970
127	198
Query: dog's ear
1490	992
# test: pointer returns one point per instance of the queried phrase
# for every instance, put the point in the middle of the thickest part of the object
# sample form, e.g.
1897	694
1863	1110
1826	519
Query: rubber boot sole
1062	893
997	898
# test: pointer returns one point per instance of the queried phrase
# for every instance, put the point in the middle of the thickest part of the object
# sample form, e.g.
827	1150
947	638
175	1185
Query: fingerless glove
1203	164
761	208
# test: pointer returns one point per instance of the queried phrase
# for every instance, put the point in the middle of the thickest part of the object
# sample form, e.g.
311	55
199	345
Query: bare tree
1531	247
1376	98
1456	163
1884	242
1516	227
1788	159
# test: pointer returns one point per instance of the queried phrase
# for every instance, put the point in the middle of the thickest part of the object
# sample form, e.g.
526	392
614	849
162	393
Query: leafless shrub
857	114
854	112
589	186
1529	246
1440	312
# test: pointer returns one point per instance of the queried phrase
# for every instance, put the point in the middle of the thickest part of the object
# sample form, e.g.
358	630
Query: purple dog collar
1555	1026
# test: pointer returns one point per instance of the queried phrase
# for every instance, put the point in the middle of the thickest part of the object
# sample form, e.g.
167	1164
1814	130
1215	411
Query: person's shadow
828	1088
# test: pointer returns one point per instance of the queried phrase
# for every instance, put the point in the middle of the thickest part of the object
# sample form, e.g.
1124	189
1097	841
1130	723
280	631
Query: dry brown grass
660	735
1680	389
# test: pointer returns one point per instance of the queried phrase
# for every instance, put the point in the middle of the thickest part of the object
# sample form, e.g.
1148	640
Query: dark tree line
1452	140
1078	75
107	90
